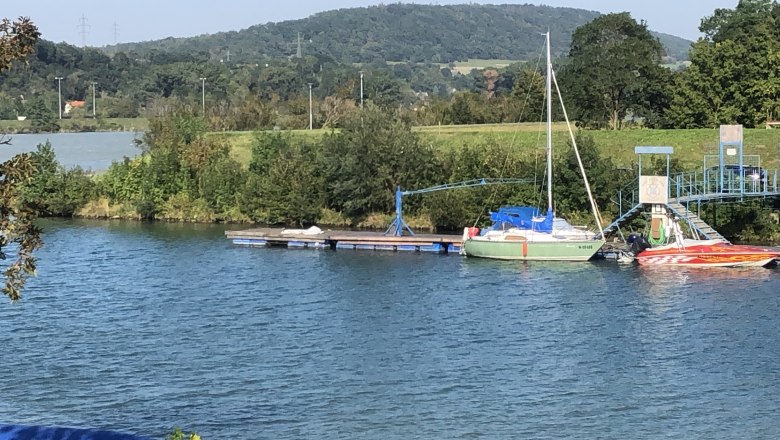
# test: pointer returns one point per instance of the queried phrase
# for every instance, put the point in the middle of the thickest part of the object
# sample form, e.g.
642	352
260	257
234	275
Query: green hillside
401	33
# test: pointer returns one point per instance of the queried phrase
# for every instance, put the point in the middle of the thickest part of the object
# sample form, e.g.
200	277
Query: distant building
70	105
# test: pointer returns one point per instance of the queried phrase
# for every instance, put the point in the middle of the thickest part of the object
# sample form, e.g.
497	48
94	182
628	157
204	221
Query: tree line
612	77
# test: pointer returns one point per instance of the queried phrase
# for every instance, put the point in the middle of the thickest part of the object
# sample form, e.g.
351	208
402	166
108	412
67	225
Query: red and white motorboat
708	253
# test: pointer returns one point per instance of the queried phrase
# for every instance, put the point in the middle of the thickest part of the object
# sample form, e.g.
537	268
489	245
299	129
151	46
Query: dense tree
612	63
17	41
54	191
734	76
368	158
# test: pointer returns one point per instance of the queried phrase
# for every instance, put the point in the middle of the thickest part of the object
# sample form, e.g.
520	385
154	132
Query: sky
106	22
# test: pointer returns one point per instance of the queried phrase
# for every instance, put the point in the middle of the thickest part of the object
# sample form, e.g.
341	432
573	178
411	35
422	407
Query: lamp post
59	94
361	89
203	95
94	103
311	115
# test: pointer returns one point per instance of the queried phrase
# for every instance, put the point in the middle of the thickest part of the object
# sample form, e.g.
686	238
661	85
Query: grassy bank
80	125
690	146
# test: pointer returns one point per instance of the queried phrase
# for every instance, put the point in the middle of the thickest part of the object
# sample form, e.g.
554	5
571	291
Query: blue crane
399	226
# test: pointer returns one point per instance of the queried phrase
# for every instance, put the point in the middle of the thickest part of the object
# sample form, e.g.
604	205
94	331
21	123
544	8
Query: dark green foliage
570	193
456	208
123	181
54	191
266	148
42	118
734	77
289	191
220	181
614	71
373	154
749	222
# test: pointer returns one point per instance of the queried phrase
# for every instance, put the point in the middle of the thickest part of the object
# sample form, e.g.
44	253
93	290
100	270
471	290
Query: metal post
311	115
677	184
94	84
398	213
361	89
640	167
203	95
667	173
59	94
720	167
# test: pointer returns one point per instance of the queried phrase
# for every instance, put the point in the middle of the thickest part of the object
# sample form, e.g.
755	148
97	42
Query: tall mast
549	126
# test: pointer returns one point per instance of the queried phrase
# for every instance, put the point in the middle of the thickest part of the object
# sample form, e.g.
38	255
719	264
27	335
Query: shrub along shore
347	178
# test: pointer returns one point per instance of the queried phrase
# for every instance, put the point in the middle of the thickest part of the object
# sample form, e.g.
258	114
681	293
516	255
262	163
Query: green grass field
690	146
465	67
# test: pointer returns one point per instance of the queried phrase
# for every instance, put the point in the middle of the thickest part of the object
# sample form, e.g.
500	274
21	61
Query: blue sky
142	20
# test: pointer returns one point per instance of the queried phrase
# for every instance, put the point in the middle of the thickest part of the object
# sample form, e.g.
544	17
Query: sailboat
521	233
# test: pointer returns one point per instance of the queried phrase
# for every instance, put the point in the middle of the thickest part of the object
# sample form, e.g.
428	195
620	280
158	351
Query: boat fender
470	233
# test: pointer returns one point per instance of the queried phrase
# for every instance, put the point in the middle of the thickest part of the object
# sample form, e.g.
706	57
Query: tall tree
17	41
734	75
614	62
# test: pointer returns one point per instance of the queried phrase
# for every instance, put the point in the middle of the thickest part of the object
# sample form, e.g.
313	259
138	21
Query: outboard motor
638	243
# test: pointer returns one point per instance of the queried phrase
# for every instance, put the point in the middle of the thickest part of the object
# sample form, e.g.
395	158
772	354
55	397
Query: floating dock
276	237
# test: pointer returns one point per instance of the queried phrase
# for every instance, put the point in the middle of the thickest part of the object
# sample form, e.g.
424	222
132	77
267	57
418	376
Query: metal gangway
727	177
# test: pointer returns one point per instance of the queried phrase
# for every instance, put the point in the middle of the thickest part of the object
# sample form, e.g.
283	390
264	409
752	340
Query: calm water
140	328
92	151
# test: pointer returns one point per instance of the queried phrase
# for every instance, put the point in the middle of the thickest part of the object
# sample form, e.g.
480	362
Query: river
141	327
91	151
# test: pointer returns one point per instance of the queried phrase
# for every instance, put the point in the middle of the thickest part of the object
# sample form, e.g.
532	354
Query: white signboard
731	134
653	189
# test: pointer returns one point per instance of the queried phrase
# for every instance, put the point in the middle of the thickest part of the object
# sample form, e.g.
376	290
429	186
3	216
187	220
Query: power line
83	26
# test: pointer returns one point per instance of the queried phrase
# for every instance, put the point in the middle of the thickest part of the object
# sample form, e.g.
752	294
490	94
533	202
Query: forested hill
402	32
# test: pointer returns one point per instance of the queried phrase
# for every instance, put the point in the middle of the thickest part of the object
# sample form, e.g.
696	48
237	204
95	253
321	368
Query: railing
698	185
687	186
627	197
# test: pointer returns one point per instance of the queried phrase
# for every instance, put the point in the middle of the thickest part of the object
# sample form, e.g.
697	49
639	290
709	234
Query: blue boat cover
23	432
522	217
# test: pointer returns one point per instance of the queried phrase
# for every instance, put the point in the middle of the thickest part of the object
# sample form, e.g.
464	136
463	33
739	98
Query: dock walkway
277	237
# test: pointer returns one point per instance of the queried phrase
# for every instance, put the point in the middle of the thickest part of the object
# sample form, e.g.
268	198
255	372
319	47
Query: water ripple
141	327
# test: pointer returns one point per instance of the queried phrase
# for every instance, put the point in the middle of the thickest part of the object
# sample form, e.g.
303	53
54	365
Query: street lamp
59	93
203	95
311	115
94	84
361	89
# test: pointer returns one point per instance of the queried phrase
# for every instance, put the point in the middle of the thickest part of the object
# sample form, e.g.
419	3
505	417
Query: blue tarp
23	432
522	217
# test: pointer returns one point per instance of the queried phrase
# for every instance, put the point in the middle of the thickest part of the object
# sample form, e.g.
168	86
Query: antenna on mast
116	33
299	53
